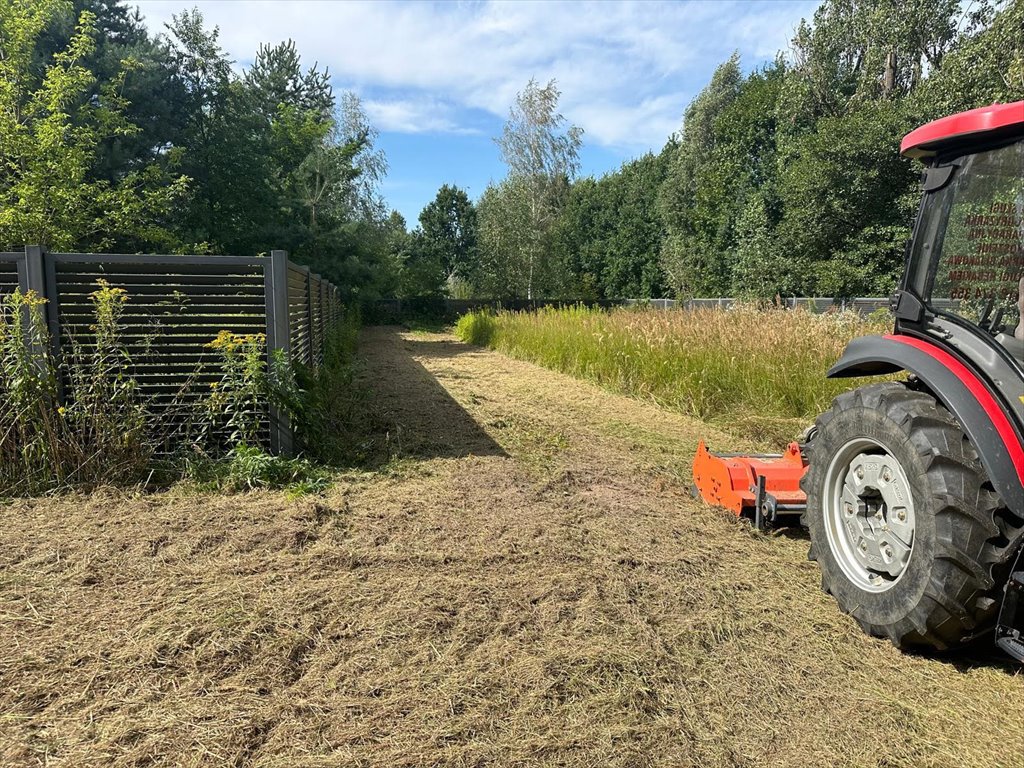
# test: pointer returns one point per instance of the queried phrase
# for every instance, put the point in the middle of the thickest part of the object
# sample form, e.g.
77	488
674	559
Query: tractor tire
911	539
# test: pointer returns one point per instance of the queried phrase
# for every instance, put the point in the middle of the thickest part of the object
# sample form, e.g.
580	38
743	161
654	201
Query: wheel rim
869	514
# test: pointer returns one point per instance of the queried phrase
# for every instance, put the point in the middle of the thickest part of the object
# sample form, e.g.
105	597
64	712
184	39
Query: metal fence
176	305
392	310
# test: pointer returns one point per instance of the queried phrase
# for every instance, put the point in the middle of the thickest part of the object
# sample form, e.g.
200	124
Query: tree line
784	181
115	139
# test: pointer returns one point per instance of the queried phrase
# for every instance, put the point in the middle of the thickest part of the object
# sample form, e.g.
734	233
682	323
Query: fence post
39	275
275	281
34	276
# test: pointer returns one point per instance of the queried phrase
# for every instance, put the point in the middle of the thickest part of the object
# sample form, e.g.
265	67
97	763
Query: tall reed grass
759	372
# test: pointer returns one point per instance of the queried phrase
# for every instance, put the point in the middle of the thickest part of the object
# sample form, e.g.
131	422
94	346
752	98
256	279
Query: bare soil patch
523	580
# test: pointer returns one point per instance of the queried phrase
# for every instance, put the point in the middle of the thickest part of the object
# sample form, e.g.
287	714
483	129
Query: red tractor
913	490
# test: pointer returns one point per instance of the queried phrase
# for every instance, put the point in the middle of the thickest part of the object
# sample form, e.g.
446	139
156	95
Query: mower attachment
759	487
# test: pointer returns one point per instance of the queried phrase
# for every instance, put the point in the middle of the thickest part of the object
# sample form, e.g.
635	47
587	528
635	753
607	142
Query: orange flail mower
759	487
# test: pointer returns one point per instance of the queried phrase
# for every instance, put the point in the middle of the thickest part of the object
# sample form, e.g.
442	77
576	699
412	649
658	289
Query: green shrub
101	430
323	404
249	468
241	401
31	421
103	406
96	432
477	327
327	417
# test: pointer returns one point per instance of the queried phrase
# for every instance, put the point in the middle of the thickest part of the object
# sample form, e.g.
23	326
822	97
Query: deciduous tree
50	133
449	225
542	155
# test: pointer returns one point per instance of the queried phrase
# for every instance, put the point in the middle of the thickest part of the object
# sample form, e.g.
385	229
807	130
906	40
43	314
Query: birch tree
542	155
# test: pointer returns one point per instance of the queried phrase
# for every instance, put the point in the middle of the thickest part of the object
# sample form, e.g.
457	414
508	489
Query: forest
785	180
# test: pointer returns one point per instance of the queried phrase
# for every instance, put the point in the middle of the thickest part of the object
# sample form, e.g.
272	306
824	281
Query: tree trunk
889	79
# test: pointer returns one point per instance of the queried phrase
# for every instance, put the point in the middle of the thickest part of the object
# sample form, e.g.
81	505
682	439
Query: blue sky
437	79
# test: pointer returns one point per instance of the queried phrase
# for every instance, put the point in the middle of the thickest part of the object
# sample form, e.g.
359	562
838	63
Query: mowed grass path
525	582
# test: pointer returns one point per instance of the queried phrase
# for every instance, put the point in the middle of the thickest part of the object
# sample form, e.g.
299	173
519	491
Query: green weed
250	468
478	327
93	432
327	418
240	402
80	420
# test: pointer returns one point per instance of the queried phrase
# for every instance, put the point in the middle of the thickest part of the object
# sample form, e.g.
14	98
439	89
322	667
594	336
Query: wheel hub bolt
860	473
887	475
887	552
902	515
863	546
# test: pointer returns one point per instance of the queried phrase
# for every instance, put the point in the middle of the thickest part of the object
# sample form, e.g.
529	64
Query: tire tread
976	535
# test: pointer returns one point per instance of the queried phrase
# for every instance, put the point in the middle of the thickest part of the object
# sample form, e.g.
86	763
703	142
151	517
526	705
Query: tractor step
1010	629
761	487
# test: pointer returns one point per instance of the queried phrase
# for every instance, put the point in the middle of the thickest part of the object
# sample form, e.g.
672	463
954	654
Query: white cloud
630	125
417	115
626	70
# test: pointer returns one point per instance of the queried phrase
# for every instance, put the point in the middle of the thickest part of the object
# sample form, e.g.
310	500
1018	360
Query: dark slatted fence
298	313
176	306
9	272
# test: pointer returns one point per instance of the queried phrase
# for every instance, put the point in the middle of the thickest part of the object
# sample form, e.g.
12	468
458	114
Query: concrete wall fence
176	305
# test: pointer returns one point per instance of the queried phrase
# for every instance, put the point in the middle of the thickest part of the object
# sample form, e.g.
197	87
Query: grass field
762	372
523	581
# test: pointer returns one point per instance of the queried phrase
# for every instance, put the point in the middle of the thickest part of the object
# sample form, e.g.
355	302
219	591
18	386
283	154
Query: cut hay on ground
555	598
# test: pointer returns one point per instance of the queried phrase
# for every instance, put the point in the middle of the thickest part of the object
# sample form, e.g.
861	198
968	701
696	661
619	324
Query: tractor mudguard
960	390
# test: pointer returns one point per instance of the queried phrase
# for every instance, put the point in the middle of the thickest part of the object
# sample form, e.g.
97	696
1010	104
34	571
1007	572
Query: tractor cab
964	282
968	259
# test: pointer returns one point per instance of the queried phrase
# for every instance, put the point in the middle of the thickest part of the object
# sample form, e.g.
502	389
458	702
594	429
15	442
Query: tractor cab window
970	261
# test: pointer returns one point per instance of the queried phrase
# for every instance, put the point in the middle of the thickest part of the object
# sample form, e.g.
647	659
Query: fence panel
324	321
298	313
176	306
10	269
316	325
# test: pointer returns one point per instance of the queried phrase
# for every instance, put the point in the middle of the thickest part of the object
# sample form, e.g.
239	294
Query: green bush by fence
79	420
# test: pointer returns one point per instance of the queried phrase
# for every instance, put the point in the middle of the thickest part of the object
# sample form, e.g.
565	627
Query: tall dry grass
760	372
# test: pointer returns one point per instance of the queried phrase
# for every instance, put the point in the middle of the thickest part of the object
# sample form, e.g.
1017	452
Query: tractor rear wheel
902	519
